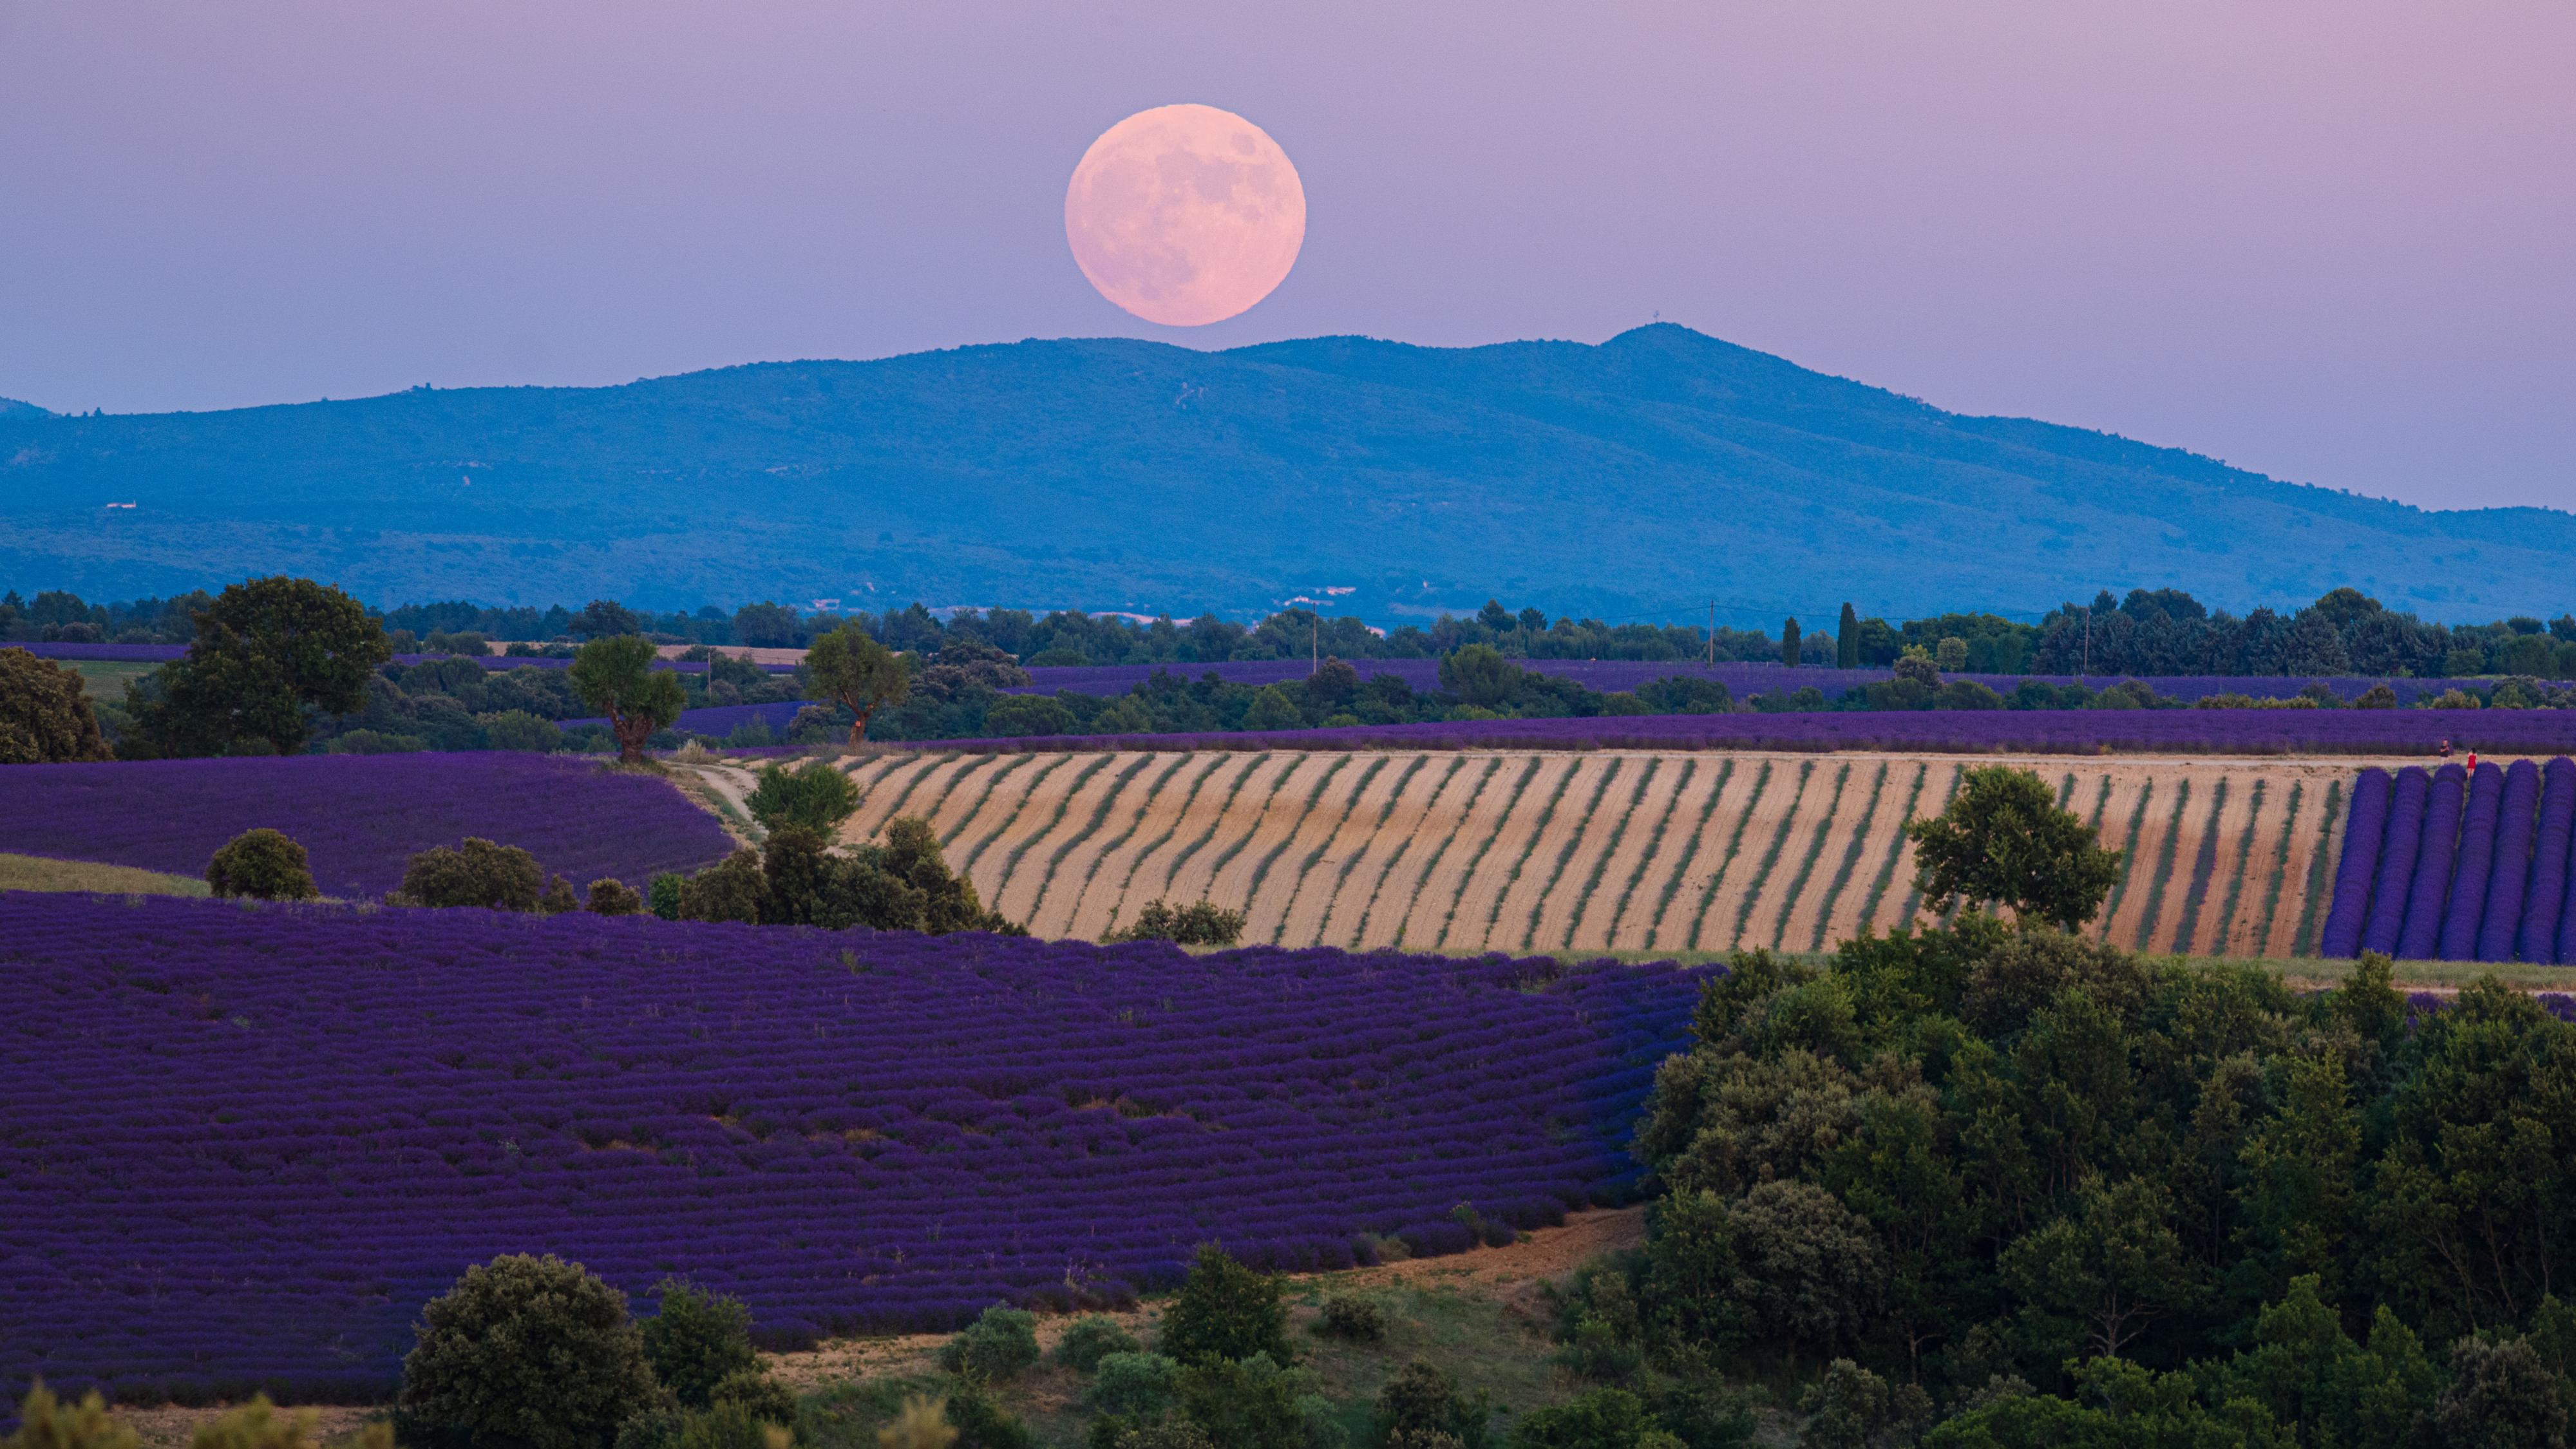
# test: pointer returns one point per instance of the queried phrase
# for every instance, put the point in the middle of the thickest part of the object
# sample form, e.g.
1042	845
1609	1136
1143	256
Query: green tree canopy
1225	1311
816	797
848	666
1480	675
44	717
524	1353
615	675
270	654
2004	841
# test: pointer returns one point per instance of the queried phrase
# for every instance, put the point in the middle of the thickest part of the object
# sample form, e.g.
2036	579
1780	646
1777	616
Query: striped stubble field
1520	851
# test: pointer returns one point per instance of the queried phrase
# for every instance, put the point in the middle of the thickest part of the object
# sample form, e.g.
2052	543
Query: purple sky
2334	240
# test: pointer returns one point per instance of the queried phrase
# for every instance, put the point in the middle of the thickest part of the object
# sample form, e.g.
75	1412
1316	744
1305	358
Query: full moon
1185	215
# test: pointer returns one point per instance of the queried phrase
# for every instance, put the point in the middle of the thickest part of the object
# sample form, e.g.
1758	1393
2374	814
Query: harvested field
1468	851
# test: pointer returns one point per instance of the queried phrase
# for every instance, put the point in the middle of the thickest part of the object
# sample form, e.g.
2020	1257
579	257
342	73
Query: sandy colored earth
1574	851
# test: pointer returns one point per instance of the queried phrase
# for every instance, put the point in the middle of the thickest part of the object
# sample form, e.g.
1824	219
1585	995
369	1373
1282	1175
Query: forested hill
1656	470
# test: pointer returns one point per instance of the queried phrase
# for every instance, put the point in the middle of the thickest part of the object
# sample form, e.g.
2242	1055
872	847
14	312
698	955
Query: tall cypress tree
1847	640
1789	643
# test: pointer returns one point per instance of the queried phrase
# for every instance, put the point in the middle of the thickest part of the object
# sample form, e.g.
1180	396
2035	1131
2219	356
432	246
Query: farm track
1468	851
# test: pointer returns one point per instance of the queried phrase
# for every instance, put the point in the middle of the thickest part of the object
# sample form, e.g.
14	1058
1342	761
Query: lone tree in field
2003	841
264	865
616	677
524	1353
1790	648
816	797
853	670
270	654
44	719
1847	640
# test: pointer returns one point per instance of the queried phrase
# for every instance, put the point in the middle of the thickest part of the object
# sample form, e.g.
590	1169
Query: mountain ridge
1646	473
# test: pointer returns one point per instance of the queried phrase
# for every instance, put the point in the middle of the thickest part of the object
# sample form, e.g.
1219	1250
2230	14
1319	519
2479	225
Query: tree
849	667
2106	1272
476	873
1480	675
45	719
270	654
603	618
1918	666
2004	840
1806	1266
2501	1396
1847	640
1790	649
615	675
1272	709
765	625
262	864
1951	654
1225	1311
524	1353
697	1341
816	797
1421	1400
45	1422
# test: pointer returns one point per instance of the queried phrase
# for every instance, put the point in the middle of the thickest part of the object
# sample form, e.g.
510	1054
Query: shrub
1200	923
923	1424
558	898
262	864
257	1425
757	1394
995	1347
1027	715
1089	1340
45	718
45	1422
610	896
728	1426
1852	1408
697	1340
524	1353
1248	1403
476	873
1601	1419
817	797
1355	1319
983	1424
662	897
516	729
2378	696
1174	1434
1131	1385
1224	1311
1421	1403
729	890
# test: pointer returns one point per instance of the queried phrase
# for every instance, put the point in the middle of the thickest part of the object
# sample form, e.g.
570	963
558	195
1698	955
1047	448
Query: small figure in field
2473	762
2446	749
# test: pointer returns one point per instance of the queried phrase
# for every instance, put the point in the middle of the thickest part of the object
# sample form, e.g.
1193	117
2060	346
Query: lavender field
2447	865
2414	732
359	816
242	1146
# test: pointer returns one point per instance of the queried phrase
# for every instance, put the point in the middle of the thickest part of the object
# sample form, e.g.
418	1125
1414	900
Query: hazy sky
2334	240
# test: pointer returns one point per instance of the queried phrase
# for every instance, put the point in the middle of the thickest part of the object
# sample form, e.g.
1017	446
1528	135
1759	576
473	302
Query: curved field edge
45	873
1584	853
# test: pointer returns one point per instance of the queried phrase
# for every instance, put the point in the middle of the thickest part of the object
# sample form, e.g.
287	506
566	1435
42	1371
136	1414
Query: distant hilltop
10	407
1642	476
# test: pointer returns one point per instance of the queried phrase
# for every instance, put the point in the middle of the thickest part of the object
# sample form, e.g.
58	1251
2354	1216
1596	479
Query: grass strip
1080	779
1099	816
2236	875
1734	846
1610	848
1565	854
989	782
2128	852
1306	867
1450	917
1333	897
2306	940
1493	764
2204	864
1807	864
1895	852
44	873
2164	868
1538	828
1690	852
1144	807
1770	858
1224	809
1914	888
1851	859
1261	872
1654	838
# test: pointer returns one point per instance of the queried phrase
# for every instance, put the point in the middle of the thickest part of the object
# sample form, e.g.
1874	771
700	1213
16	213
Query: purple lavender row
2511	880
2365	835
360	817
845	1129
2397	862
2472	877
1740	678
2549	863
2348	732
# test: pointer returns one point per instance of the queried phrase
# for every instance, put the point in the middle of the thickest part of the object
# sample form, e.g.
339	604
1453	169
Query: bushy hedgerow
476	873
1200	923
998	1345
697	1340
262	864
1224	1311
1088	1340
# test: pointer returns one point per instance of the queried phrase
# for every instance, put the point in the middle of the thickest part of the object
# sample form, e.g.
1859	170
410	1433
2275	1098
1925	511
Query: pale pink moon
1185	215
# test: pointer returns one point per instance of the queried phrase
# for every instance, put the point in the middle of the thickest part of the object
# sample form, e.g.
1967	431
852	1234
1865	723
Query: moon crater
1185	215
